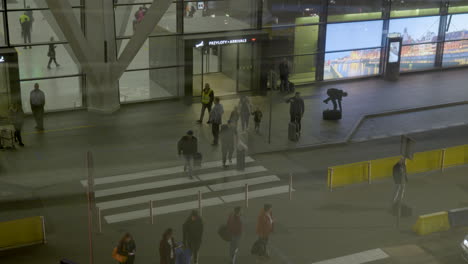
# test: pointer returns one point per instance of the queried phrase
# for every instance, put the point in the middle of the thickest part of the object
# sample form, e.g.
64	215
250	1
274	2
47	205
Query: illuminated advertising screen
416	30
455	53
354	35
417	57
394	52
349	64
457	27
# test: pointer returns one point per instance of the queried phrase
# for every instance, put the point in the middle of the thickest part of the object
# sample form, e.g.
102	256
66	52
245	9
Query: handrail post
290	186
200	202
330	179
99	219
151	211
369	172
442	160
246	195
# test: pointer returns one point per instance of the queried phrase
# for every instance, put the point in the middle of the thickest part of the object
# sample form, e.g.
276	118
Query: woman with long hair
167	248
123	246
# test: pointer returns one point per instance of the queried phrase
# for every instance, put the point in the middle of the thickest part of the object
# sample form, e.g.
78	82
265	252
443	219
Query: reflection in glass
417	57
455	53
351	64
415	8
283	12
458	6
394	52
349	10
2	31
20	4
364	34
60	94
416	30
457	26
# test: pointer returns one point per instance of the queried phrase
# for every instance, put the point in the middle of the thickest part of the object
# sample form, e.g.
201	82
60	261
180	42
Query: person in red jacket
265	225
234	227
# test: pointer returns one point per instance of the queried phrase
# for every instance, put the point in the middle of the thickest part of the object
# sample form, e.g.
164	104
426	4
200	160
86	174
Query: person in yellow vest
25	22
207	98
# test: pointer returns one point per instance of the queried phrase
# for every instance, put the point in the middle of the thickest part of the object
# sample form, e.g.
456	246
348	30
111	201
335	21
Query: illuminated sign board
223	42
2	59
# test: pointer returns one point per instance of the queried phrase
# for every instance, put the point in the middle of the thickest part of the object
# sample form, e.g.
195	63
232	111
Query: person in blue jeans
234	226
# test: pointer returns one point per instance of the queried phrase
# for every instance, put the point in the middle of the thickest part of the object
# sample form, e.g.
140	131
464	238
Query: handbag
224	233
259	248
118	257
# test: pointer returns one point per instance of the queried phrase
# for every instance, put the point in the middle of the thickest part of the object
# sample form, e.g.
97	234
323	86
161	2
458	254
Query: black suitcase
197	159
293	133
331	115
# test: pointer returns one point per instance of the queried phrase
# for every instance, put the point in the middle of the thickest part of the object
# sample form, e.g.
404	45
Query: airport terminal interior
233	131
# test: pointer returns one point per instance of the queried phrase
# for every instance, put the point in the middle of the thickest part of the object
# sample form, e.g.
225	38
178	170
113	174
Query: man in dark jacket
193	233
335	95
235	228
228	139
284	75
17	119
188	147
296	109
400	178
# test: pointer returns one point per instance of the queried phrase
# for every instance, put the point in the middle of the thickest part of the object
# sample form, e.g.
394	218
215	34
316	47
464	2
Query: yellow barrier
431	223
22	232
383	168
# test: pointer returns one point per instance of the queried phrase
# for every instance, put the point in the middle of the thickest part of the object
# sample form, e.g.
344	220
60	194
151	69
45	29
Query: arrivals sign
224	42
2	59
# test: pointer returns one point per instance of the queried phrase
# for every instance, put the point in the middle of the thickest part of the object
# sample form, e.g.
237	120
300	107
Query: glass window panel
127	19
415	8
364	34
219	15
457	27
455	53
351	64
60	93
19	4
416	30
43	26
458	6
279	12
150	84
2	31
33	62
350	10
418	57
303	69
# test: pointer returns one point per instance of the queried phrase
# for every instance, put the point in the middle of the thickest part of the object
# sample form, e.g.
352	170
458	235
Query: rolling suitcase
183	255
293	133
331	115
197	159
7	138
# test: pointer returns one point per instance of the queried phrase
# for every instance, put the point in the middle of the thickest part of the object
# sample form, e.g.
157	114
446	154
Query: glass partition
354	63
408	8
416	30
279	12
350	10
458	6
418	57
455	53
355	35
457	27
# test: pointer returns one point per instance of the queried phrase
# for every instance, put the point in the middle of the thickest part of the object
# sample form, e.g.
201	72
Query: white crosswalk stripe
122	197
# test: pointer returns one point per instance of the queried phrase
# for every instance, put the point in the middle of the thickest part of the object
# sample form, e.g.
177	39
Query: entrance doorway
228	69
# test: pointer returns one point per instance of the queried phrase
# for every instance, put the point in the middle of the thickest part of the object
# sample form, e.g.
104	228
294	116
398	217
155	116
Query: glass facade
320	39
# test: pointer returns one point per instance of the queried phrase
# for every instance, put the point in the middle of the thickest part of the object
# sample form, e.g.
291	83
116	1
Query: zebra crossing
126	197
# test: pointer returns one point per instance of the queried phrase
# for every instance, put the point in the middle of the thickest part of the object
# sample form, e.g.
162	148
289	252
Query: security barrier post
44	240
151	211
290	186
369	172
99	219
199	203
330	180
246	195
442	160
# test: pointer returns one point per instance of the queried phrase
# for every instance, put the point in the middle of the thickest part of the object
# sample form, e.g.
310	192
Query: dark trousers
194	248
245	118
296	119
227	153
131	259
336	103
27	37
52	59
38	112
284	86
215	130
204	107
18	136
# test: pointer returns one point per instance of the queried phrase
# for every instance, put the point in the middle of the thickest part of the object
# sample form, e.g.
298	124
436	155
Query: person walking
121	252
296	110
51	54
216	119
258	115
400	178
234	228
265	226
37	101
335	95
25	22
17	119
188	147
207	98
192	234
228	139
167	248
245	109
284	75
234	117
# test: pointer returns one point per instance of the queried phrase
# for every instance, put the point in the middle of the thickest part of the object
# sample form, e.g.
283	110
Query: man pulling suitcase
296	111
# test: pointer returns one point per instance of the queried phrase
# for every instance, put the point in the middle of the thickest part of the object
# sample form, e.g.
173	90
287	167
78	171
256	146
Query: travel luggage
223	232
331	115
293	132
182	255
259	248
7	137
197	159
